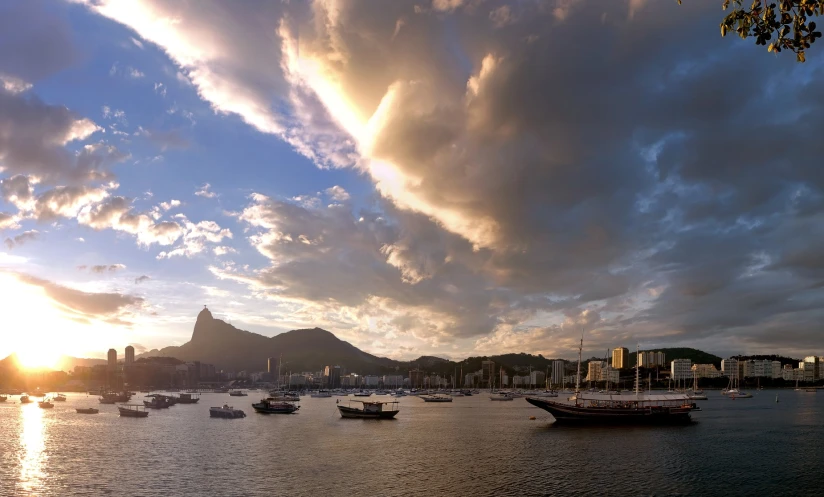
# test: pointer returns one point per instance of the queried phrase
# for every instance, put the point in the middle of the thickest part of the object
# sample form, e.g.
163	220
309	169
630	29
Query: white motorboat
321	394
237	393
436	398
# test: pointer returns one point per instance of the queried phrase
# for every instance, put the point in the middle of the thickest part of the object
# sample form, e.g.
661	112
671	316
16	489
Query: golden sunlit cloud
40	329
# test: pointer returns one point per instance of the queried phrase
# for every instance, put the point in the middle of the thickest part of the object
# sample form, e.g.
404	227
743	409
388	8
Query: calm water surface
470	447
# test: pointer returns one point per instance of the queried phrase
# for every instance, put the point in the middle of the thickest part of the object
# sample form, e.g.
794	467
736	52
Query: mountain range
231	349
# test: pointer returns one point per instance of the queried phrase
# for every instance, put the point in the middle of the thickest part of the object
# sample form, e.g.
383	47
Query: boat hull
262	409
352	413
86	411
575	415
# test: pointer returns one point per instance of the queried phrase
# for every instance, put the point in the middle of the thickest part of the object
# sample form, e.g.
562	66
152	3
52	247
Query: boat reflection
33	444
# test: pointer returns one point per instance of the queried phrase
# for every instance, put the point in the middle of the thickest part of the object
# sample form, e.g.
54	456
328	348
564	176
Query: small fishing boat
811	390
3	398
436	398
321	394
237	393
158	402
363	393
186	398
24	399
226	412
60	398
370	410
133	411
221	390
274	406
87	410
45	404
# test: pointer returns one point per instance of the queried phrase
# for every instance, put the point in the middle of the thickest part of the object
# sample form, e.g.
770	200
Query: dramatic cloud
541	166
112	307
33	136
117	213
141	279
34	43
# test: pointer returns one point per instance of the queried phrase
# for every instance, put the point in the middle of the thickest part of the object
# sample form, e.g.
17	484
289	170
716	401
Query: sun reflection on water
33	443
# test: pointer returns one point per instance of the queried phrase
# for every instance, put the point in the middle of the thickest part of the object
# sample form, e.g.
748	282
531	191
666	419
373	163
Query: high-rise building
129	355
537	378
815	366
620	358
681	369
331	376
270	365
416	378
706	370
594	370
487	372
557	372
729	368
112	359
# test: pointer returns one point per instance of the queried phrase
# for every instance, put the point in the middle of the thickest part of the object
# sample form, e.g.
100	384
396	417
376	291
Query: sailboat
733	392
696	393
586	408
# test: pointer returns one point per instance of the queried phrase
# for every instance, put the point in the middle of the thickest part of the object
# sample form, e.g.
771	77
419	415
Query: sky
427	177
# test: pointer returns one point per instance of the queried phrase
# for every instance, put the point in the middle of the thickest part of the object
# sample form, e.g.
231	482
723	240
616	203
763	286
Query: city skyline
456	186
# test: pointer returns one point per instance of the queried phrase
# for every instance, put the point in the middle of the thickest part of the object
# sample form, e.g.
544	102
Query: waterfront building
620	358
729	368
371	381
814	362
504	379
650	359
759	369
271	366
557	372
331	376
129	356
392	381
520	381
112	359
681	369
416	378
706	370
537	378
807	370
594	369
487	372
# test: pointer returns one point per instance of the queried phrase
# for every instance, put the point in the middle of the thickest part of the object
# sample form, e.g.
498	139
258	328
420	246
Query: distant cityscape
169	372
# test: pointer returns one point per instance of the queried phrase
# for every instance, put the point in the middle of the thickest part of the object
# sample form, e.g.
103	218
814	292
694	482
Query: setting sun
38	331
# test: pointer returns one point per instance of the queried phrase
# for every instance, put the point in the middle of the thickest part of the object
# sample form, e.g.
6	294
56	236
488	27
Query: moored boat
321	394
87	410
24	399
3	398
186	398
501	397
237	393
132	411
640	408
370	410
45	404
158	402
436	398
60	398
363	393
274	406
226	412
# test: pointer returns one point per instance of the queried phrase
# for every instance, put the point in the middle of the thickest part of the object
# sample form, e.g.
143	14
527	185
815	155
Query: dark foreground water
470	447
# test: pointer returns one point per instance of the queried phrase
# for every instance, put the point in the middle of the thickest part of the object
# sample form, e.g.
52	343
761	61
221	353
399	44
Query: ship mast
637	372
578	376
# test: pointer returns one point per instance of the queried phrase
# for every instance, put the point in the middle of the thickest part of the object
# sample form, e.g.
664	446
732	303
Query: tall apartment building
815	366
487	372
557	372
706	370
620	358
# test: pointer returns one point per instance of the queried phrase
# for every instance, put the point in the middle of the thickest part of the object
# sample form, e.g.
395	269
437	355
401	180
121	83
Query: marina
49	448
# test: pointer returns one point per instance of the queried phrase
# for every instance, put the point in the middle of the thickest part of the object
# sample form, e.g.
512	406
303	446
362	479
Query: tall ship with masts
640	408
